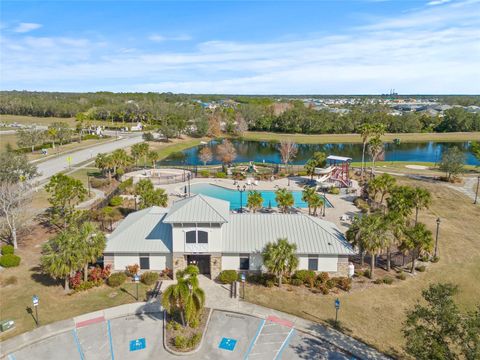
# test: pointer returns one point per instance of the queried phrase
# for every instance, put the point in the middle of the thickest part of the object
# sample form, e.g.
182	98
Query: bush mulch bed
174	328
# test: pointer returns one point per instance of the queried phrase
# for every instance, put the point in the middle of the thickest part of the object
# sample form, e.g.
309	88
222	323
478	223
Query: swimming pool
233	196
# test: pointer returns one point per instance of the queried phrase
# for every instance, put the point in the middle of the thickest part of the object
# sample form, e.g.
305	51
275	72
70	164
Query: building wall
158	262
230	262
214	239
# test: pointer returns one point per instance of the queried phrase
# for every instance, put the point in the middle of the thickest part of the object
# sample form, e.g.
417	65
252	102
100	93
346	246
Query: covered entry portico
201	261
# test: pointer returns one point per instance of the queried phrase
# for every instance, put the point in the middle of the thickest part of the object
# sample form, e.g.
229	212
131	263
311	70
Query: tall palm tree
396	233
153	156
418	239
386	184
400	200
375	148
316	202
365	131
280	259
284	199
421	199
120	160
93	244
254	200
307	195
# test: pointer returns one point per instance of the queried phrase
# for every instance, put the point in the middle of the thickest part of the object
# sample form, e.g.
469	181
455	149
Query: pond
260	151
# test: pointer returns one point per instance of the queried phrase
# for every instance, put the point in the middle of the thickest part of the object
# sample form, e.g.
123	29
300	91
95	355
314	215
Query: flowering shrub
76	280
99	274
132	270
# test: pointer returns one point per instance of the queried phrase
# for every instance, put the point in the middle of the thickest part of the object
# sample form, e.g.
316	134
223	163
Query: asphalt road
53	166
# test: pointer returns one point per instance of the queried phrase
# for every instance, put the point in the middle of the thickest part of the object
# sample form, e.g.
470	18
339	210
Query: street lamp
136	279
35	305
241	190
337	307
476	192
436	237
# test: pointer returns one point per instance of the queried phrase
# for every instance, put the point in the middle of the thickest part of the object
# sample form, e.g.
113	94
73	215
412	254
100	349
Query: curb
178	353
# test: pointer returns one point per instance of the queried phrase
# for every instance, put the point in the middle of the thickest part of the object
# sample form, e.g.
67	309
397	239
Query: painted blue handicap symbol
227	344
137	344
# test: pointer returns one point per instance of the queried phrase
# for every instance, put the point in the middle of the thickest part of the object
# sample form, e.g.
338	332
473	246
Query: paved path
51	167
467	187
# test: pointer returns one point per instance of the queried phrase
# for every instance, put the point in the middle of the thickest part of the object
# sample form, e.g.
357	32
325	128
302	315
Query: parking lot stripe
110	339
285	343
260	327
79	347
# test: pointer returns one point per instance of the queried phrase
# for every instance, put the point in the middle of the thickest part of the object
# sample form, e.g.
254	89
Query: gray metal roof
199	209
142	231
246	233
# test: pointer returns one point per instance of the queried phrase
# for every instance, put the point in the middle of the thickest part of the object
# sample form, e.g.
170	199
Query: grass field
355	138
375	314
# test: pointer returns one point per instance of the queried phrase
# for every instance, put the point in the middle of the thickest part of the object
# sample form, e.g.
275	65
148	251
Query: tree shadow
42	278
122	289
29	310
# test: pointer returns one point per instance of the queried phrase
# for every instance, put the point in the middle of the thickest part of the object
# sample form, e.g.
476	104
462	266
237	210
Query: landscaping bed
184	339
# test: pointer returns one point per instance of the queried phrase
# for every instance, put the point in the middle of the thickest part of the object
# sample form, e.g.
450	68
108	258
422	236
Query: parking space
304	346
94	341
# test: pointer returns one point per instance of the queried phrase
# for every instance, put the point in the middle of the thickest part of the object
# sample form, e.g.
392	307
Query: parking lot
229	336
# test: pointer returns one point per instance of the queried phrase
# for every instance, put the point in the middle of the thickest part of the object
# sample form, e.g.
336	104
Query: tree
316	202
365	130
205	155
226	152
280	258
452	162
401	200
375	148
62	256
105	163
139	150
149	196
432	331
30	137
475	148
288	151
108	214
254	200
153	156
240	124
14	167
59	131
307	195
284	199
119	160
185	297
418	239
92	243
319	159
421	199
65	192
386	183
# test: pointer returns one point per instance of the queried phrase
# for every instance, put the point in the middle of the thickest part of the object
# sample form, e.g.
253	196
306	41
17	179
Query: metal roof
246	233
142	231
199	209
339	158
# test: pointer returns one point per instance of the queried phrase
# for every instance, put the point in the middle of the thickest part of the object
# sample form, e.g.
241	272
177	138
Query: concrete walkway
467	187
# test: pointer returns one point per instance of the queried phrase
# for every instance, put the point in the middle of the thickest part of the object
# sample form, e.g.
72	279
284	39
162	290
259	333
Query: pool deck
342	203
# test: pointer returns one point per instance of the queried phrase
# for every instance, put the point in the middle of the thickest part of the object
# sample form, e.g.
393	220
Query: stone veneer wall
215	265
178	262
342	267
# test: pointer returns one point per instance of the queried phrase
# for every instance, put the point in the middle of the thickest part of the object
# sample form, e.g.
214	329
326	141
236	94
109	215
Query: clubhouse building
201	230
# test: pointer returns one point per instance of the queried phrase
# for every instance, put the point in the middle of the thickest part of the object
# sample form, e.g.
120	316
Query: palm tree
284	199
153	156
184	297
92	242
254	201
316	202
375	148
120	160
365	131
104	162
138	150
421	199
62	256
396	233
386	184
418	239
280	259
307	195
400	200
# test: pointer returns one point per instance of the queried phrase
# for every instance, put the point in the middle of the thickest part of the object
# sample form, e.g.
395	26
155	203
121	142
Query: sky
242	47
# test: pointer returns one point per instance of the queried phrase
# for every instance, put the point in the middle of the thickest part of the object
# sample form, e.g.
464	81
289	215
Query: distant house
201	230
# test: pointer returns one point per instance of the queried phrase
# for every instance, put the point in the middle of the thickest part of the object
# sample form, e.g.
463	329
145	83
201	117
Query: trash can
6	325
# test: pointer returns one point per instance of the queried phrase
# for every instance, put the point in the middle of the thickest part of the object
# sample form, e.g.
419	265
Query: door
201	261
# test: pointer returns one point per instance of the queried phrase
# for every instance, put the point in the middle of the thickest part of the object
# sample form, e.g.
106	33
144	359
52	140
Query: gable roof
142	231
199	209
246	233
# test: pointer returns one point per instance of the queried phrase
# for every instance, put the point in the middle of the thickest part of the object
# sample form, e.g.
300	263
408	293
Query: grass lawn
355	138
375	314
17	285
401	167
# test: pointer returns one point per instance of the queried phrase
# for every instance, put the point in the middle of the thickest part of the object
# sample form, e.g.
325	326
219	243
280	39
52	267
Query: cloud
26	27
438	2
160	38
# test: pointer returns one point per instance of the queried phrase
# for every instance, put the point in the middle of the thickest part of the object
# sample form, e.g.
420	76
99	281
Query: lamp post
136	278
324	201
337	307
476	192
436	237
241	190
88	181
189	175
35	305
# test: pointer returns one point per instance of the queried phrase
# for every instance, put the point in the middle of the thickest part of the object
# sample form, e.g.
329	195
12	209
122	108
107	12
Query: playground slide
323	178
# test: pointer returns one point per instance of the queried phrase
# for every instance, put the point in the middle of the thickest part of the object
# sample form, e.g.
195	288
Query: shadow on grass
29	310
122	289
39	277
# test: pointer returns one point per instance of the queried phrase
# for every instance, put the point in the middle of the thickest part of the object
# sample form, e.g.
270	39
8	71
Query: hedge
149	277
227	276
116	279
304	275
9	260
7	249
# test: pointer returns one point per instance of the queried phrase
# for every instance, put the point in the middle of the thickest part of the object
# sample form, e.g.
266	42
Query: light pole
436	237
88	181
337	307
476	192
136	278
324	201
241	190
35	305
189	175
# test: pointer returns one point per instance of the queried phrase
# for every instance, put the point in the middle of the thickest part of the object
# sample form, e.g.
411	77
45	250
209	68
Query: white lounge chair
249	181
255	183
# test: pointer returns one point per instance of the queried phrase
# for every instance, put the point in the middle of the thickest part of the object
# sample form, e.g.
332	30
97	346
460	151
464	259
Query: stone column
179	263
215	265
342	266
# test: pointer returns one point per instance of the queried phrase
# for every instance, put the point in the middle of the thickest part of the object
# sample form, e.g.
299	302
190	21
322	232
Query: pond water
233	196
259	151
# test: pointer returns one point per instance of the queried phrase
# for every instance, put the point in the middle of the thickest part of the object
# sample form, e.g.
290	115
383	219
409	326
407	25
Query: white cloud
160	38
438	2
26	27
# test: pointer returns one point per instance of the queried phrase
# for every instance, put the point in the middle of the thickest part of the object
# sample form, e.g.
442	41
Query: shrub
124	185
9	260
296	282
269	283
421	268
7	249
204	173
148	136
87	285
302	173
176	326
180	342
325	290
99	274
378	281
435	259
116	201
366	273
303	275
116	279
323	277
425	258
194	340
361	204
149	277
344	283
227	276
98	183
255	278
387	280
334	191
311	280
221	175
401	276
194	323
330	283
75	280
120	173
131	270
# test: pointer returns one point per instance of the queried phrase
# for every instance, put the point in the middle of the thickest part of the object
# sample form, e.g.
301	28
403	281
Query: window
202	237
244	263
144	263
191	237
313	264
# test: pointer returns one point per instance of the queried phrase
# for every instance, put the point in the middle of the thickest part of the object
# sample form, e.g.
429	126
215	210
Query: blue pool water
233	196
